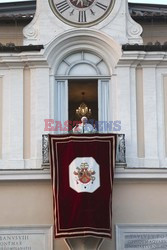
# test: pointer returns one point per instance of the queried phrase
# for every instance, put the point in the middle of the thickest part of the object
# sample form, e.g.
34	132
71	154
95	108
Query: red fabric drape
82	213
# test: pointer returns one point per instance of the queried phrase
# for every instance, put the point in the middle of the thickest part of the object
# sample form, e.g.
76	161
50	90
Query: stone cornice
18	49
125	173
26	10
147	48
154	58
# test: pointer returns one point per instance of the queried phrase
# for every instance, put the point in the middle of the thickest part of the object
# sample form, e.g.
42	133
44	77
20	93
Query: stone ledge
146	48
125	173
18	49
122	172
25	174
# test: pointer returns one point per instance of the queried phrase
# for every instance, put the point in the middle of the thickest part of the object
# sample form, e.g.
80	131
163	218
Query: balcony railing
120	152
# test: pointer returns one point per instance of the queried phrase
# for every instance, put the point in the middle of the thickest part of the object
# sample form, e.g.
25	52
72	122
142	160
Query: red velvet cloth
82	214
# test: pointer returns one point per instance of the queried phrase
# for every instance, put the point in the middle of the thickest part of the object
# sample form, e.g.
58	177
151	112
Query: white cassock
84	129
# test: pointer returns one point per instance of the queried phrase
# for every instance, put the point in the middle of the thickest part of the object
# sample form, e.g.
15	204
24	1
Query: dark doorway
83	90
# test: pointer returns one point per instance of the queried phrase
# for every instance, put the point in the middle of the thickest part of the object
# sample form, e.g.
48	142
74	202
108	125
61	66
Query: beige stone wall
11	32
165	111
1	109
154	33
30	203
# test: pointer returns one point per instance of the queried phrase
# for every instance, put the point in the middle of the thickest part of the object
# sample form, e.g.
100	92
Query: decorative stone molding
89	40
134	30
143	55
30	33
118	25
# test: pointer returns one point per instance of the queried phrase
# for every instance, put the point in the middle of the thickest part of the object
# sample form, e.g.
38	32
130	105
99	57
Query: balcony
120	151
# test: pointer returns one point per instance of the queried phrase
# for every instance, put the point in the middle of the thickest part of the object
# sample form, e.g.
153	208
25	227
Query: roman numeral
101	6
63	6
82	17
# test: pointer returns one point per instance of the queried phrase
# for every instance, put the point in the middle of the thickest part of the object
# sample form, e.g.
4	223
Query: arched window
80	69
82	63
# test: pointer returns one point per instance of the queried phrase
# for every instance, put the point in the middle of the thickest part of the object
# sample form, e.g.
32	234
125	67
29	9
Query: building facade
114	53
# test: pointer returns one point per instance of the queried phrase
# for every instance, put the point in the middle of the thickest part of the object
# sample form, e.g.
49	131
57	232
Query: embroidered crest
84	174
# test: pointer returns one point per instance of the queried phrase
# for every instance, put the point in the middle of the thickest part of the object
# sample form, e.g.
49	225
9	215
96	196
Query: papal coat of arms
84	174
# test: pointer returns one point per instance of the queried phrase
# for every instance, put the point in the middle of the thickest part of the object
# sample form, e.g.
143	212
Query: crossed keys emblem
85	175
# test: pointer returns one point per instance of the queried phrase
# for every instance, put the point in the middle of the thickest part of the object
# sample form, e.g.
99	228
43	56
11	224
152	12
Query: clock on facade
81	13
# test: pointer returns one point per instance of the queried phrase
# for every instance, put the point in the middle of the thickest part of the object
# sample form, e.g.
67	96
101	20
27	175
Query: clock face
81	12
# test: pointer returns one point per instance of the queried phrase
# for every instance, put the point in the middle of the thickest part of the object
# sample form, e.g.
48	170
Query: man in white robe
84	127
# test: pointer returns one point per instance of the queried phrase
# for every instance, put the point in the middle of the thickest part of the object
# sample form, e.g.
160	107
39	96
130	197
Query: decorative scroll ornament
135	30
30	32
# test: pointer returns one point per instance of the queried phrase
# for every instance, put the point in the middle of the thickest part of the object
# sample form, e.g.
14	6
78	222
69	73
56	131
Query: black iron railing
120	154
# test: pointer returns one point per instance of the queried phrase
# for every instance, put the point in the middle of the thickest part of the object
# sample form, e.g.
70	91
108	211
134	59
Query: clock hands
83	3
81	12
